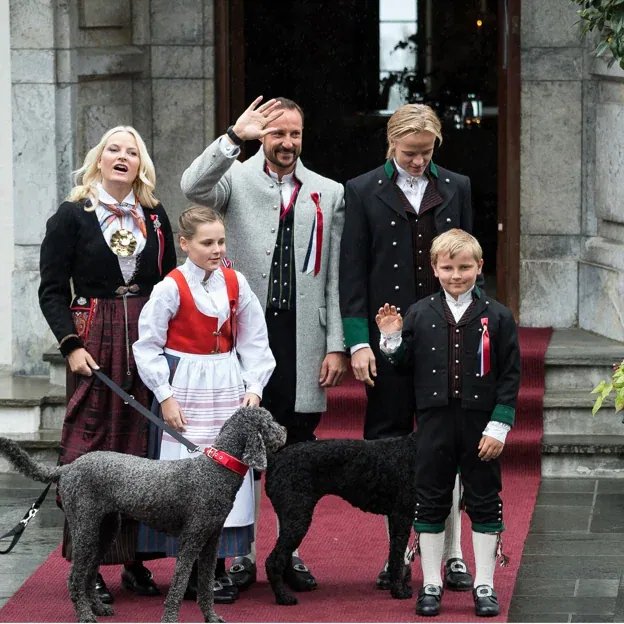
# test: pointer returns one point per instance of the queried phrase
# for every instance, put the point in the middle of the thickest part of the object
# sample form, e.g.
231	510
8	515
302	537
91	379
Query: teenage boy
462	348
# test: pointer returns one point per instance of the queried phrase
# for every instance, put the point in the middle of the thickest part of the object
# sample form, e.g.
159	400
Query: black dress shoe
138	579
221	595
243	572
456	575
102	591
298	577
428	602
228	585
383	578
486	601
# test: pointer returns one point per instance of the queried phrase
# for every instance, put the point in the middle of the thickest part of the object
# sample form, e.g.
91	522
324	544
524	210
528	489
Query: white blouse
252	343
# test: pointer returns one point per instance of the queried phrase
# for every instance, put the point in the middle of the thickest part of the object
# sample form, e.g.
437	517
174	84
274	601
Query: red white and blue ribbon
484	347
313	255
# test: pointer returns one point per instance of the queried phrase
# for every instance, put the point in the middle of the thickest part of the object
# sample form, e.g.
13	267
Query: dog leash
16	532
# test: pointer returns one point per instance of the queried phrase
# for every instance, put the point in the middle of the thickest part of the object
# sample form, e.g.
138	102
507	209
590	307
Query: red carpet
345	547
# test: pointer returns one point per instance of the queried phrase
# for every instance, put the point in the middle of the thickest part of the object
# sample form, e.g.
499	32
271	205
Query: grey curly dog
374	475
190	498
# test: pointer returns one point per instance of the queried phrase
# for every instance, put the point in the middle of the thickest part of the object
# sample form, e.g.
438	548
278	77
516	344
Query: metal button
457	346
275	281
476	396
433	348
396	287
398	309
271	185
433	371
392	223
420	284
268	252
448	219
396	266
477	375
447	180
435	394
379	182
264	275
394	243
272	230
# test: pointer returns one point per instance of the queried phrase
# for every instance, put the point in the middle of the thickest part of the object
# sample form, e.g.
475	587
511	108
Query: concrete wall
79	68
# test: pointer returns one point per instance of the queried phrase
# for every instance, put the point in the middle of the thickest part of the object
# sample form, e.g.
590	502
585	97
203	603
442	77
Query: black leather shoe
486	601
221	596
428	602
102	591
228	585
456	575
138	579
243	572
298	577
383	578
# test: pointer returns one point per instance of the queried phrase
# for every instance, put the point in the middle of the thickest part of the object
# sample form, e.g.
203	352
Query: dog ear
255	452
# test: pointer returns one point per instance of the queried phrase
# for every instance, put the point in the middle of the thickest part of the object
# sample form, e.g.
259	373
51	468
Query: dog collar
227	460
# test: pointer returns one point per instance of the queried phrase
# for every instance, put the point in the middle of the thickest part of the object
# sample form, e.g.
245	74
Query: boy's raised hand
388	319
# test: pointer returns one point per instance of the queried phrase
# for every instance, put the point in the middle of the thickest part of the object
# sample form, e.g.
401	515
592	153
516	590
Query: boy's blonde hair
411	118
193	217
453	242
87	177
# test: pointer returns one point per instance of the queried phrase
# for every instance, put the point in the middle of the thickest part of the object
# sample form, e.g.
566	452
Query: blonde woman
104	250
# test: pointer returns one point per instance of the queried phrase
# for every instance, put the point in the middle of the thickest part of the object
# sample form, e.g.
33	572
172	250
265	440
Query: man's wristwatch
233	136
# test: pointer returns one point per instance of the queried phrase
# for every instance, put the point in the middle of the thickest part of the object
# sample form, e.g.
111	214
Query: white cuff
389	343
358	346
497	430
163	392
255	388
227	149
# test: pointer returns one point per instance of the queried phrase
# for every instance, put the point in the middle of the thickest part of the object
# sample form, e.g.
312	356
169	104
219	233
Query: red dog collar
227	460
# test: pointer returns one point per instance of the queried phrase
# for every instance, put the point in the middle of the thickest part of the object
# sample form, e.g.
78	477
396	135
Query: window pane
397	10
389	58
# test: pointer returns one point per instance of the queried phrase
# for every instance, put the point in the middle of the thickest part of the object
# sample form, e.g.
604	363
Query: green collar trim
390	169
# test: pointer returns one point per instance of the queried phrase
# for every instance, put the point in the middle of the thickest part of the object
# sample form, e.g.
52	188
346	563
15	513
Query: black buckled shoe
298	576
243	572
486	601
383	578
228	585
456	575
102	591
221	594
138	579
428	601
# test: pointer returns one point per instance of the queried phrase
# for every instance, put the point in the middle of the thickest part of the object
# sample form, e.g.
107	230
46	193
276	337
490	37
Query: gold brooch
123	243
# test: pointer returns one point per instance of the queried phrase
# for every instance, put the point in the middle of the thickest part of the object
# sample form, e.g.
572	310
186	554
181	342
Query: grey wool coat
249	199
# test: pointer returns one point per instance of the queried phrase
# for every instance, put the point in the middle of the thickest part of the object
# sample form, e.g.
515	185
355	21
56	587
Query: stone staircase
577	444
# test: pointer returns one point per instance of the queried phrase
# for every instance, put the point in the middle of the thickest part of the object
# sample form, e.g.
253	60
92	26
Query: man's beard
273	157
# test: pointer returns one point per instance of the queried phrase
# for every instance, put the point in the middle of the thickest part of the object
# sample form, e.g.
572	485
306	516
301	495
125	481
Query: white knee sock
452	526
257	495
431	551
484	545
407	556
295	553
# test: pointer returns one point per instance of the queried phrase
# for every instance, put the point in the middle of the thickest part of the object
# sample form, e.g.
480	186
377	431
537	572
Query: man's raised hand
256	120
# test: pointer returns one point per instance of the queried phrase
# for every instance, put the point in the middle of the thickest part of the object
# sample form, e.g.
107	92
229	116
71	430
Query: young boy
462	347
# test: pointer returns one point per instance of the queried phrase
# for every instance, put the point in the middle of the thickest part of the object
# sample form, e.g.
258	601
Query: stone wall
79	68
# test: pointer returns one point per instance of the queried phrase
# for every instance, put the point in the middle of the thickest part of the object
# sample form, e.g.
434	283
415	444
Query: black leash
18	529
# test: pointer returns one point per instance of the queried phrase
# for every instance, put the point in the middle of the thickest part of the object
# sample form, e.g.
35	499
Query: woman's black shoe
138	579
102	591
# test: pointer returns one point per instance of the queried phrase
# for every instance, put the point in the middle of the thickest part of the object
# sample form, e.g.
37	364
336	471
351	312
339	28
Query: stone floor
571	571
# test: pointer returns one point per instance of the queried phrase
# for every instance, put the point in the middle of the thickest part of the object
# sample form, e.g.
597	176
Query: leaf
599	387
619	402
597	405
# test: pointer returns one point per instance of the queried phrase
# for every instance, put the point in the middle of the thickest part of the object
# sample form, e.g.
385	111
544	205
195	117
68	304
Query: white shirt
413	187
210	296
286	185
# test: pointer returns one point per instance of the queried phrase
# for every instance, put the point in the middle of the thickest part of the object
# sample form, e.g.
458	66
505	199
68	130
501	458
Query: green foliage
604	389
607	18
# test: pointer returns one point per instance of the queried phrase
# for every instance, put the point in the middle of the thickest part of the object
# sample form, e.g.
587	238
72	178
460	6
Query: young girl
203	351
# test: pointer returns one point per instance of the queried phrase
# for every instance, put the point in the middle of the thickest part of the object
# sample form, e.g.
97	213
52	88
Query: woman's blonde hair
193	217
87	177
412	118
453	242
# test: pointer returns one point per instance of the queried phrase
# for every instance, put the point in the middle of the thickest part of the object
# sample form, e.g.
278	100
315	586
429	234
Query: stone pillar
601	274
552	152
34	169
6	190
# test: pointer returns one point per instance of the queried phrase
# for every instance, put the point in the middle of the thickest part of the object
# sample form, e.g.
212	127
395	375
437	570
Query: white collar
463	299
404	176
197	273
106	198
286	179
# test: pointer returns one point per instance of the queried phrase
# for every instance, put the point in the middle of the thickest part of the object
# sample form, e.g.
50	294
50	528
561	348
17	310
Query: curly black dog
374	475
190	498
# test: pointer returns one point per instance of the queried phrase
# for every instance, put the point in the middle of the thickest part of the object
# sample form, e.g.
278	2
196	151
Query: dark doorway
325	54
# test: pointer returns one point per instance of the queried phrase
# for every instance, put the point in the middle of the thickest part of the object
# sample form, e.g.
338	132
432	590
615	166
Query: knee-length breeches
448	440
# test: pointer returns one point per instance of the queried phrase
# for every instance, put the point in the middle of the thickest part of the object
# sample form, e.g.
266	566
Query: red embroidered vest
192	331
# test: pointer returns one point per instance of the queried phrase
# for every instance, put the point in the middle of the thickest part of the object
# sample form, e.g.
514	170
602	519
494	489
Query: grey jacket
249	200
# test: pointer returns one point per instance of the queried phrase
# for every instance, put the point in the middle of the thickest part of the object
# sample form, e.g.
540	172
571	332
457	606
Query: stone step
29	403
569	412
57	366
43	446
593	456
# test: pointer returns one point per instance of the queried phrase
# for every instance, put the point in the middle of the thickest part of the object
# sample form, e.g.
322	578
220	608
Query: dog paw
286	600
403	593
213	617
103	609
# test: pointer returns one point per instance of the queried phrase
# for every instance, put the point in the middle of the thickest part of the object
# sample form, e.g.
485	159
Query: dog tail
25	464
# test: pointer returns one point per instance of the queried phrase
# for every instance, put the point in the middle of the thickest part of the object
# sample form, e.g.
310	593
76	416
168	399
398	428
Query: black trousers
448	438
280	393
390	409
